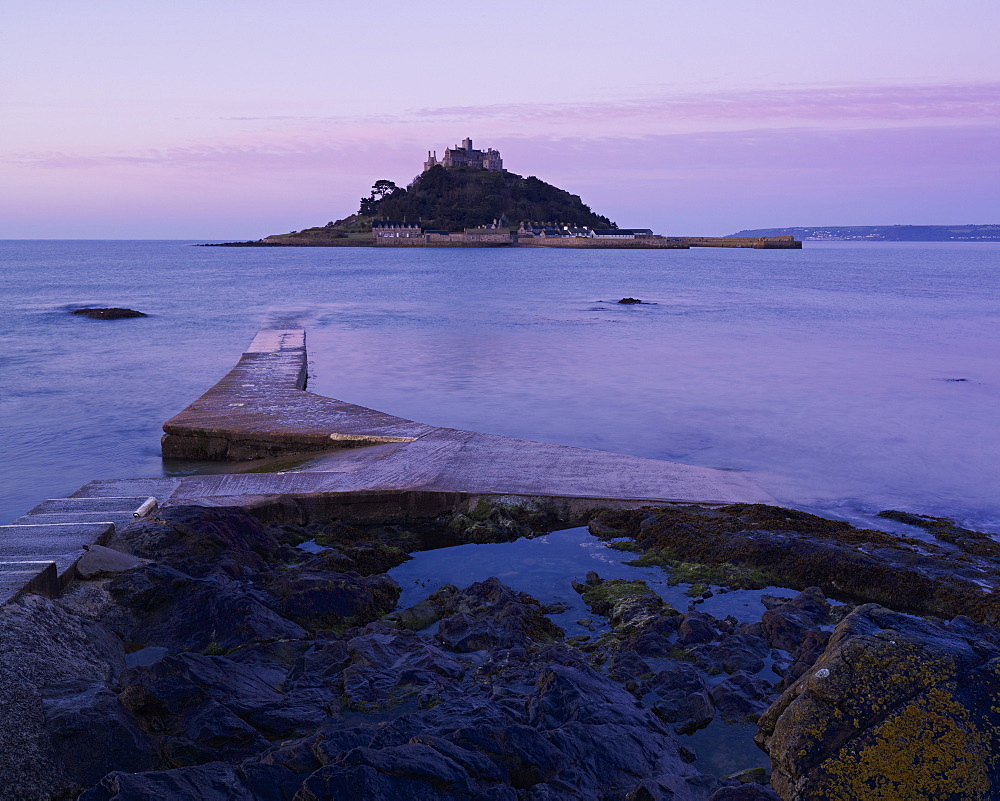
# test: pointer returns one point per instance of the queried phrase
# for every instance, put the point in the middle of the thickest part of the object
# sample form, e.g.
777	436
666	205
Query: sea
845	378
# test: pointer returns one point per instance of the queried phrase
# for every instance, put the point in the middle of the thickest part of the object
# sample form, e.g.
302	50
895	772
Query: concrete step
61	544
134	504
20	576
160	488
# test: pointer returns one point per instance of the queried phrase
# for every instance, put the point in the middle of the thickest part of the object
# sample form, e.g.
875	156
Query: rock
641	619
745	792
100	561
423	614
108	314
201	541
214	781
91	732
43	645
321	599
410	771
741	651
628	665
696	628
771	545
609	740
178	612
489	614
388	666
683	700
630	300
897	706
203	708
772	601
741	698
146	656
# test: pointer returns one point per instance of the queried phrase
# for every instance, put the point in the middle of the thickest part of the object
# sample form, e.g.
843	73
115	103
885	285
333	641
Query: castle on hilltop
465	156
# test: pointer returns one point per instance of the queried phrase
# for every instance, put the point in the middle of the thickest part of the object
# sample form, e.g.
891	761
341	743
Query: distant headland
884	233
468	199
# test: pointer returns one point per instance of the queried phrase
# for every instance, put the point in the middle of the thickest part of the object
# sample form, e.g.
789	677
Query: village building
466	156
622	233
394	229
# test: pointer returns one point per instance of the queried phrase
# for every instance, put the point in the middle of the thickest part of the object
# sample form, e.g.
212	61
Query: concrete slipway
363	463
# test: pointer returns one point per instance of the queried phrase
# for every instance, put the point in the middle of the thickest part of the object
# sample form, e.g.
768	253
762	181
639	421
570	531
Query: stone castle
466	156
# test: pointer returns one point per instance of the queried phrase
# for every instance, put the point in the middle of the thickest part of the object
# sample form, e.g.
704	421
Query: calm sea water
846	378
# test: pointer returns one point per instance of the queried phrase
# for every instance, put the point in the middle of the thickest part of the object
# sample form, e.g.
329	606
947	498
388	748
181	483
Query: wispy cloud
892	104
972	101
710	128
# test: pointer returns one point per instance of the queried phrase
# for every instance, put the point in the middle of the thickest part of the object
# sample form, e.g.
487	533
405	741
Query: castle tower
467	145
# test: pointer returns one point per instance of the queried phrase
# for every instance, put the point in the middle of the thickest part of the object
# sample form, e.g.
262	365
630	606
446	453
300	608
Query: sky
235	120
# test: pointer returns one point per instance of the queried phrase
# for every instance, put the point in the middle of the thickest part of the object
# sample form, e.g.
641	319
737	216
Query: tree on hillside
381	188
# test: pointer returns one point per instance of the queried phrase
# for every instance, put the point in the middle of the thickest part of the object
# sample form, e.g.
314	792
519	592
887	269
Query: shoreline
571	243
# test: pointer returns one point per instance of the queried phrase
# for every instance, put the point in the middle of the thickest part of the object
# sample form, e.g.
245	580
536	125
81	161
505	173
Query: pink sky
121	120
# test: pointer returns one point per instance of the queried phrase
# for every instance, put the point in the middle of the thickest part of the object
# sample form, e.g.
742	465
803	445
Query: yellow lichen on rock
930	749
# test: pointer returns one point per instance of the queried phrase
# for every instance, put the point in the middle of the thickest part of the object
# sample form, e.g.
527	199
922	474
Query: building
466	156
394	229
622	233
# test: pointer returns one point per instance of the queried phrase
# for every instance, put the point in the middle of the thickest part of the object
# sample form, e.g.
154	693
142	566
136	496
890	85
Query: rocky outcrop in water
108	314
753	545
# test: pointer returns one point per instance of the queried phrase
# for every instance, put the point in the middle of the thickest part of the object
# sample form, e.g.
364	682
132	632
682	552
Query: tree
381	188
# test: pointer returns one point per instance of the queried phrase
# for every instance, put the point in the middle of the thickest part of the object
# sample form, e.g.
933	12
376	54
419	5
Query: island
468	199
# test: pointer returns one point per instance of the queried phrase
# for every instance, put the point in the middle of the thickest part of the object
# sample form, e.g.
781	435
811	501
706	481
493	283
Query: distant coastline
883	233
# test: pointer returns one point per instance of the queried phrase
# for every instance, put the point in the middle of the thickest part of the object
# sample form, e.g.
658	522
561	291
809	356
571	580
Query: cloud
973	101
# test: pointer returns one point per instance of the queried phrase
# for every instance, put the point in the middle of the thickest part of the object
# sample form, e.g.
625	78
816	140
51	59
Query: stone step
19	576
58	544
160	488
118	518
134	504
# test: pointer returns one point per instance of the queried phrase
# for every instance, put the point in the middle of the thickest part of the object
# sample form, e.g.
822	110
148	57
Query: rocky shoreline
205	655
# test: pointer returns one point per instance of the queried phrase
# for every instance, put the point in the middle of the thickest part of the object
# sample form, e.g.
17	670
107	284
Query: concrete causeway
261	408
356	461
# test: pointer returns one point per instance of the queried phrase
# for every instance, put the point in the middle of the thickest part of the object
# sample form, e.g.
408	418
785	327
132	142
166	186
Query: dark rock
371	558
489	614
184	613
388	666
683	700
945	529
640	618
43	644
214	781
786	626
92	733
742	698
696	628
739	652
108	314
423	614
797	549
201	541
896	703
630	300
627	665
745	792
332	742
321	599
772	601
